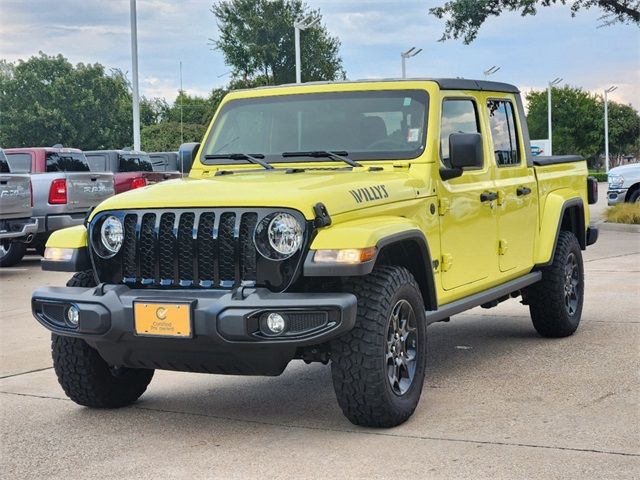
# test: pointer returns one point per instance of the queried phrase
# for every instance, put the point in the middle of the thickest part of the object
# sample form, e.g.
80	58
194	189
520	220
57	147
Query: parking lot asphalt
498	402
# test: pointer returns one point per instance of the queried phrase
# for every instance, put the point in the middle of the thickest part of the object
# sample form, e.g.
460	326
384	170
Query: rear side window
66	162
458	116
97	163
135	163
4	164
19	162
159	163
502	120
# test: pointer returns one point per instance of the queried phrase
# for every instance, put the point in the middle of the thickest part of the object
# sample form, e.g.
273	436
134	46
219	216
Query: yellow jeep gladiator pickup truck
328	222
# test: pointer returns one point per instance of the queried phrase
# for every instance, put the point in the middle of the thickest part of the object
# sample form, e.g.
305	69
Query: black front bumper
226	335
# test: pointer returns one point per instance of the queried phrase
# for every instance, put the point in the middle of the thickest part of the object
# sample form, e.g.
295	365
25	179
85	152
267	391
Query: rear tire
11	253
555	302
85	377
378	367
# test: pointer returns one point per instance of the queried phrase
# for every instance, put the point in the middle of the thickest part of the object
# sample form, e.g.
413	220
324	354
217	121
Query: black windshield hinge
323	219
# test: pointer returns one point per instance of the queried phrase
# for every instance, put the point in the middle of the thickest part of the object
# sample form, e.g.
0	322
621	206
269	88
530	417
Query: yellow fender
362	233
557	202
72	237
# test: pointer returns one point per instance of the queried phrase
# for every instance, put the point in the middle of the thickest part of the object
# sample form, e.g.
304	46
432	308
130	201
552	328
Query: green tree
46	100
465	17
257	41
578	123
166	136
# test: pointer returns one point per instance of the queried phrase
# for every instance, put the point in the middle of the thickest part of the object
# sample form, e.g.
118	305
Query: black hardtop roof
443	83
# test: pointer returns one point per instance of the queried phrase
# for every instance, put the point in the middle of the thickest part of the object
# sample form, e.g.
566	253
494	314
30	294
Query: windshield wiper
255	158
342	156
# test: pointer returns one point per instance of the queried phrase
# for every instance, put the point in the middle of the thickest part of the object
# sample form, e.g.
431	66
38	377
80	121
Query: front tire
83	374
11	253
88	380
378	367
555	302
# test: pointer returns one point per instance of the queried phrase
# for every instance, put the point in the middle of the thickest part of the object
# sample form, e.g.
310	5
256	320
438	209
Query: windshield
135	163
66	162
376	125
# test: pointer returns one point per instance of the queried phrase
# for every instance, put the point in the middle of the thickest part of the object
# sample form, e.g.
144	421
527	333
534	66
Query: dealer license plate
162	319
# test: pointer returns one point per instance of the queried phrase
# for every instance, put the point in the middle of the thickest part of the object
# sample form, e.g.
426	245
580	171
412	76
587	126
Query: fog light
275	323
73	314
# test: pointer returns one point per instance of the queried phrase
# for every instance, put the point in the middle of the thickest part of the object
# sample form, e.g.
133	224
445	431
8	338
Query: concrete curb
618	227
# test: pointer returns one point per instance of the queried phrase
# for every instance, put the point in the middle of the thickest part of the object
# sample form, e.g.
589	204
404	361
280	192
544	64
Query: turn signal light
58	192
345	255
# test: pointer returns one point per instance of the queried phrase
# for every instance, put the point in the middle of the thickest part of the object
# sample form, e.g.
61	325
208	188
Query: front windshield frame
389	155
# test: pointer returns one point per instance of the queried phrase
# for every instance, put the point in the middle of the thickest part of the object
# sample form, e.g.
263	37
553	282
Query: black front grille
207	248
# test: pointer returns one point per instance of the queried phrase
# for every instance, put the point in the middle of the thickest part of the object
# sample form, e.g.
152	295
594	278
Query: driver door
468	221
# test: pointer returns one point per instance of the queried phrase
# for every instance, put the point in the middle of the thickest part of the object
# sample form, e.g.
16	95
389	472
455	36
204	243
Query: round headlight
112	235
285	234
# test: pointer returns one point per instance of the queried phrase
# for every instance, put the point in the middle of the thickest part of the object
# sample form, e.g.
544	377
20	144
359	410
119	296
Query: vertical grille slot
167	248
248	266
226	246
186	249
129	249
148	248
207	251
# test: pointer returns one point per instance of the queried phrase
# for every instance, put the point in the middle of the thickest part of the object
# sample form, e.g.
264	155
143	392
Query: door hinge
502	247
446	262
443	206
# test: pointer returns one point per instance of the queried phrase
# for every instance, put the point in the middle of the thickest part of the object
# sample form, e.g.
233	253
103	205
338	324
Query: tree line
46	100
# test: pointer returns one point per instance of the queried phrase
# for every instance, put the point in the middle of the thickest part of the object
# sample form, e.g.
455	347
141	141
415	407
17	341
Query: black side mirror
186	155
465	150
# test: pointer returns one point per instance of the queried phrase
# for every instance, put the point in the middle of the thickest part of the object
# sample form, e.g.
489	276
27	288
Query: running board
481	298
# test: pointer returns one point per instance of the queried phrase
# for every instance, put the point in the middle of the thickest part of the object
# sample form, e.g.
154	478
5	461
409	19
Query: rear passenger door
516	187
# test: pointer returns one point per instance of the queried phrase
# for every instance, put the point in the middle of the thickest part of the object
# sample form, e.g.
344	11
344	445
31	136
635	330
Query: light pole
134	61
412	52
553	82
606	127
490	71
297	26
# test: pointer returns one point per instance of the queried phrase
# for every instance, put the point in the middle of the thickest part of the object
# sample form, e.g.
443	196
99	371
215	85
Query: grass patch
624	213
600	176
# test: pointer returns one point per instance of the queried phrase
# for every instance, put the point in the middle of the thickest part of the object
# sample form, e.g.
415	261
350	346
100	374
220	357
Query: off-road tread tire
360	384
85	377
82	279
546	297
14	254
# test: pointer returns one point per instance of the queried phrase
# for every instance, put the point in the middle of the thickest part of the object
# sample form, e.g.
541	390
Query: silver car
624	184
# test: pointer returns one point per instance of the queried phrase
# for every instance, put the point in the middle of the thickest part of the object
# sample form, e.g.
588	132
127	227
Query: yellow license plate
162	319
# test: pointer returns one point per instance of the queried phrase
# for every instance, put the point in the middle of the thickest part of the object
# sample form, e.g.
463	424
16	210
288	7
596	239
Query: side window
458	116
19	162
97	163
503	132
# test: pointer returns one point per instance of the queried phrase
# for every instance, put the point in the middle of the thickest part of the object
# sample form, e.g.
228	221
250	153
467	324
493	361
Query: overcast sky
530	50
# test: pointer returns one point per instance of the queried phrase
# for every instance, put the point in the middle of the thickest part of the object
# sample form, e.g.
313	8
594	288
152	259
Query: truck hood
626	169
341	190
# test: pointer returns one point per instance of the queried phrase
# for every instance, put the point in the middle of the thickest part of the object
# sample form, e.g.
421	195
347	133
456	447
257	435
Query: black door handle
488	196
520	191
